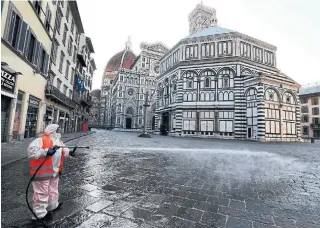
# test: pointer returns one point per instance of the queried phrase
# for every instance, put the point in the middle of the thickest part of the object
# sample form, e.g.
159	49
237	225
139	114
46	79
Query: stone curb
7	164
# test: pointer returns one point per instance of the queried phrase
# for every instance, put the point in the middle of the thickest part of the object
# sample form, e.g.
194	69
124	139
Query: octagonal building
221	83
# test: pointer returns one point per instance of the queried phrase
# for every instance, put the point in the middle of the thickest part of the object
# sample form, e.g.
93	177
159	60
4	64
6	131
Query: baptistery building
217	82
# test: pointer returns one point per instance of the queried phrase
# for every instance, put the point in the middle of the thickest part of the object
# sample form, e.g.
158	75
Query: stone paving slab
15	151
125	181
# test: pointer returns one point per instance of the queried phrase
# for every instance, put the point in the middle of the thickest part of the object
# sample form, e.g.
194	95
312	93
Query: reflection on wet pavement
126	181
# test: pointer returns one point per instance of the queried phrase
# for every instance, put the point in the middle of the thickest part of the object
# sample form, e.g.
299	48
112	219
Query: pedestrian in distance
45	185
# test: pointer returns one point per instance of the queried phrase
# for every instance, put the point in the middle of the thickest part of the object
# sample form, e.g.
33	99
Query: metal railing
86	98
52	91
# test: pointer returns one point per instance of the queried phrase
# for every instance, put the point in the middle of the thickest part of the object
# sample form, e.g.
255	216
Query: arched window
251	94
220	96
194	97
226	96
190	97
271	95
202	97
231	98
207	97
207	83
212	96
189	79
226	76
288	98
185	97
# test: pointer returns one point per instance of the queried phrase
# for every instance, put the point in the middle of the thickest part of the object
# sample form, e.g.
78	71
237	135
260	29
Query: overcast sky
291	25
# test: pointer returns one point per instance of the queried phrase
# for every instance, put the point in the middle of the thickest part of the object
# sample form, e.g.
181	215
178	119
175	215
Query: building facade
26	32
82	87
41	50
221	83
310	114
59	88
96	114
130	86
122	60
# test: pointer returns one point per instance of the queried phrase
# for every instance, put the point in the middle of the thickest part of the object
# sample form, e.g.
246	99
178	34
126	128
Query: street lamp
146	105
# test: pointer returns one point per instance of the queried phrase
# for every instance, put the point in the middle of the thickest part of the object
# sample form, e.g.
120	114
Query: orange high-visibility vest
46	170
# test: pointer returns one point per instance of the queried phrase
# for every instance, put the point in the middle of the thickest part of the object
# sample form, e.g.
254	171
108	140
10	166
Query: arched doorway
128	123
129	114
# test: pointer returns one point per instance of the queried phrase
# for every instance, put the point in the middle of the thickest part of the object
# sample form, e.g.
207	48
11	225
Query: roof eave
76	16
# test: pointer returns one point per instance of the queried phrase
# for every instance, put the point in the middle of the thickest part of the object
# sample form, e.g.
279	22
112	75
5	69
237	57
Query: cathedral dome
123	59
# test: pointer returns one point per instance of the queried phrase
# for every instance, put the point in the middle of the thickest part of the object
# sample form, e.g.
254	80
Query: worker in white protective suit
45	184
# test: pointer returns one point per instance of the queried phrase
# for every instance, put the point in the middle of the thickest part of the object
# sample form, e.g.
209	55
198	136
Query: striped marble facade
220	83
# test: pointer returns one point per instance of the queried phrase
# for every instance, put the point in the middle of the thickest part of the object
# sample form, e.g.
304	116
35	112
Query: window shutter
26	47
36	53
22	36
40	57
46	64
17	35
11	26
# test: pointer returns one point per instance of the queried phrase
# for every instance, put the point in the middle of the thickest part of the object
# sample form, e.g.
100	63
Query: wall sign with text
8	81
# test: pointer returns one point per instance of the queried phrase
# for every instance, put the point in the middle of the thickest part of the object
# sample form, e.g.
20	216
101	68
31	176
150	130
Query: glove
56	147
72	153
51	151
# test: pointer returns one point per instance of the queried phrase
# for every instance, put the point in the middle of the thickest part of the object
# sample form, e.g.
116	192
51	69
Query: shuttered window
21	37
65	34
13	27
43	61
48	19
58	20
54	49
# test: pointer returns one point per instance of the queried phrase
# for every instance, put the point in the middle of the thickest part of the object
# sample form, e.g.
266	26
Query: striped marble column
240	108
261	114
298	119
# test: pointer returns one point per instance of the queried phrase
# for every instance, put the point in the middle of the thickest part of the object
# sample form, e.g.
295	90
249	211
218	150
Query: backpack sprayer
32	178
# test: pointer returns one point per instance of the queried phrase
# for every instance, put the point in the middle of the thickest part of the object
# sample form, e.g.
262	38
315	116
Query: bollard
312	140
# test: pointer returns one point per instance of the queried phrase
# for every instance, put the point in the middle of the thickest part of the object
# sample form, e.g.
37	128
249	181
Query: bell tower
202	17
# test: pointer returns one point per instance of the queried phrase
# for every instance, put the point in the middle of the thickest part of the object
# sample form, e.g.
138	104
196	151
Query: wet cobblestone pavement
126	181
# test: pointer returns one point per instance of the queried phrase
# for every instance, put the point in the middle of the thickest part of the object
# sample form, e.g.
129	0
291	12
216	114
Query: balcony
315	126
54	94
86	100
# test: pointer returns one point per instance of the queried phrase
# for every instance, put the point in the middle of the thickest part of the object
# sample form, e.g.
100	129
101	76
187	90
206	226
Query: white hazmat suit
46	194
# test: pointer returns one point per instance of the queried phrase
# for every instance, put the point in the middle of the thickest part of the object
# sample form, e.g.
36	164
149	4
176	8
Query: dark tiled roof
115	61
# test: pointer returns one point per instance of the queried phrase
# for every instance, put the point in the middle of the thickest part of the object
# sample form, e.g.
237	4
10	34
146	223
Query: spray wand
32	178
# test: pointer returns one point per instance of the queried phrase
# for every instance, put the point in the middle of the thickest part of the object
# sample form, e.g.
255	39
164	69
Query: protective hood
50	129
